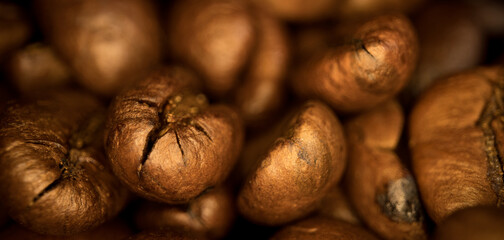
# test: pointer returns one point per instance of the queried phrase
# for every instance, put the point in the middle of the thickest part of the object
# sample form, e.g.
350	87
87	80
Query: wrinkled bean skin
370	69
166	143
456	142
53	173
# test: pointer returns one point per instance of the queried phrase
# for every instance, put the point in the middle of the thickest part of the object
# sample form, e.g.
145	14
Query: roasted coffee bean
303	164
110	230
380	187
108	44
456	136
473	223
37	67
214	36
52	170
369	69
323	228
14	28
210	215
166	142
263	89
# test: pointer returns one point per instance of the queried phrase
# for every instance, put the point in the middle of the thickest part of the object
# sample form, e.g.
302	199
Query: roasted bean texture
54	176
298	170
373	66
456	142
166	142
380	186
251	119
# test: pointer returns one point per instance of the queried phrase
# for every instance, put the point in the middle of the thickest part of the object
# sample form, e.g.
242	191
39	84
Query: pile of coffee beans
251	119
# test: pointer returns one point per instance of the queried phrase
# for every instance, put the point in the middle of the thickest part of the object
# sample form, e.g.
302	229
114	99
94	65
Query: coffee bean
166	142
54	178
380	186
215	37
456	141
372	67
303	164
109	45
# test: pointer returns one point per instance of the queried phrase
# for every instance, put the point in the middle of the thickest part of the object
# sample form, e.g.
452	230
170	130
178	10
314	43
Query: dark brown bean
54	178
108	44
456	141
166	142
379	185
360	74
303	164
214	36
